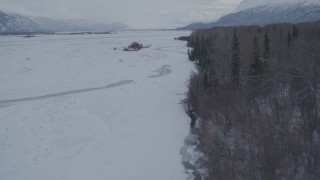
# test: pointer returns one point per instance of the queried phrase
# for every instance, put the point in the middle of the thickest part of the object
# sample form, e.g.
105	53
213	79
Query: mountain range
15	23
262	12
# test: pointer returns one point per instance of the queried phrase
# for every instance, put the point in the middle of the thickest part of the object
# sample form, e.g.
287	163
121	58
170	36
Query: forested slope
254	101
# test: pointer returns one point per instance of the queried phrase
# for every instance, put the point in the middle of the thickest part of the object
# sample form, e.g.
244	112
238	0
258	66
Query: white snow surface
73	108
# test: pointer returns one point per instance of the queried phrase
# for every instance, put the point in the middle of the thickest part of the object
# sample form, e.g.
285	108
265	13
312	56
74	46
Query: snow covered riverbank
73	108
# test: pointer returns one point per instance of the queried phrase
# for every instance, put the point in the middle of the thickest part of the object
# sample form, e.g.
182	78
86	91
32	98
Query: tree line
255	102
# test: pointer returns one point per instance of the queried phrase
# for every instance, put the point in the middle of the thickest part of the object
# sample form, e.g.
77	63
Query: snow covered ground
73	108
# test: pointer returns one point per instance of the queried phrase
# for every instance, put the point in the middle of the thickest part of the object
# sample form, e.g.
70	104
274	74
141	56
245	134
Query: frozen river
77	107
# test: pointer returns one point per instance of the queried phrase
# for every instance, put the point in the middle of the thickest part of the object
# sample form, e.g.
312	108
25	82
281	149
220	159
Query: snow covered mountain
15	23
261	12
267	12
247	4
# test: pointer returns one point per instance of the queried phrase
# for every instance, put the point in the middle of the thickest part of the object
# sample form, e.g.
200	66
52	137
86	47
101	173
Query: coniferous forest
255	101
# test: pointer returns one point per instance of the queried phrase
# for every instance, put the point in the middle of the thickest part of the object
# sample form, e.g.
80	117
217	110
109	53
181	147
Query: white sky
135	13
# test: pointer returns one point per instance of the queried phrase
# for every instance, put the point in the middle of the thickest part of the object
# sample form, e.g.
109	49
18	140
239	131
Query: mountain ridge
246	4
15	23
262	12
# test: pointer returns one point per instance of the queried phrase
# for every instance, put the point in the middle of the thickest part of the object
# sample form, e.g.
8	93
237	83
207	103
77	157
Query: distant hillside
14	23
252	12
195	26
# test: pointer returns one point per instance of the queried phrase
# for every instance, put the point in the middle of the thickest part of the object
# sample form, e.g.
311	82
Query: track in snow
120	83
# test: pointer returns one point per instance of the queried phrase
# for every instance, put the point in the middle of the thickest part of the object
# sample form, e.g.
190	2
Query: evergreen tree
266	46
257	66
295	32
289	40
235	60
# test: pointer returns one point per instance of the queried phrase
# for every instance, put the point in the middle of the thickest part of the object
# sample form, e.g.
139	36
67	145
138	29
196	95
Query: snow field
72	107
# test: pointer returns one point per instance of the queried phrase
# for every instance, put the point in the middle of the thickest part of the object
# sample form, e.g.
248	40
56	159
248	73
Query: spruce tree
235	60
289	40
266	46
295	32
257	66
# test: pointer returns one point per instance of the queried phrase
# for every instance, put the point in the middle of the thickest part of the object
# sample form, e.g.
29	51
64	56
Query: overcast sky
135	13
